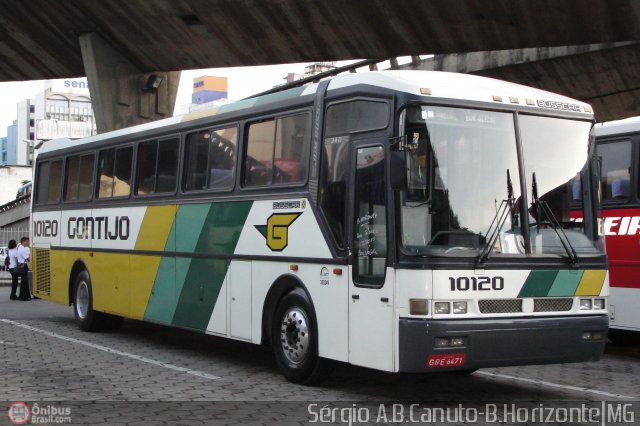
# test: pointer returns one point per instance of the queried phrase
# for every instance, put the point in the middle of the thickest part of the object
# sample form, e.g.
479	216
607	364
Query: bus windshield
464	182
556	166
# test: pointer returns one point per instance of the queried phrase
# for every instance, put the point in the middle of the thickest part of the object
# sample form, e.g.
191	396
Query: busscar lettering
99	228
563	106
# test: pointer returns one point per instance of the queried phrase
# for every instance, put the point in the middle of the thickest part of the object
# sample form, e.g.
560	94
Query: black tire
86	318
294	340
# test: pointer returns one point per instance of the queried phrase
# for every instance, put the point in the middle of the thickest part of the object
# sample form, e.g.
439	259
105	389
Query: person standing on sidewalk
13	262
23	268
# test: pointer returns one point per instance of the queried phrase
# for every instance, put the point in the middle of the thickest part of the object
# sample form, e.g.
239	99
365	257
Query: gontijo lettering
98	228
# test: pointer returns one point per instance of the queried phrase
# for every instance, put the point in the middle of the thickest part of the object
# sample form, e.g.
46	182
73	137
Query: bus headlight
441	308
585	304
598	303
459	307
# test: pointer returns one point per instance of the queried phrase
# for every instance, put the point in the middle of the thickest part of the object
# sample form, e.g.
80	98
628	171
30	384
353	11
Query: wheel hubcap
294	335
82	300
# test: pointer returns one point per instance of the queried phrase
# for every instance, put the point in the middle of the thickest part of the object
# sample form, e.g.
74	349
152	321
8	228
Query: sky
242	81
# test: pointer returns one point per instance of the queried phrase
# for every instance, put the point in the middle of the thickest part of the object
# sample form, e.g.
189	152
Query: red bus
618	146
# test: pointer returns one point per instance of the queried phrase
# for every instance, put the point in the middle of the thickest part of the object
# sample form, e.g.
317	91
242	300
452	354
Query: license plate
446	360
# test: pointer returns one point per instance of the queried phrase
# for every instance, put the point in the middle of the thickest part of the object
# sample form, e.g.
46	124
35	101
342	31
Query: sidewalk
5	279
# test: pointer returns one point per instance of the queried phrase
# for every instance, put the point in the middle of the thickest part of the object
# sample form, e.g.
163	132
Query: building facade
209	89
62	110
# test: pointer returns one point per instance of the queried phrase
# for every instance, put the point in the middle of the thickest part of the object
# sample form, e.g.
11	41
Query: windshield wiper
504	211
542	207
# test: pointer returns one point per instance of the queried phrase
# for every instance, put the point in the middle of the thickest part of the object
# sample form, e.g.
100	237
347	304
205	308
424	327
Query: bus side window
114	172
333	185
49	182
370	218
79	178
147	156
615	178
210	159
157	166
276	151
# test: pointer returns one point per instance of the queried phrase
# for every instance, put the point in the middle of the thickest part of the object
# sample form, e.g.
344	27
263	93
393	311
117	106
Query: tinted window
277	151
157	166
210	159
79	178
49	182
356	116
333	184
370	218
114	171
615	178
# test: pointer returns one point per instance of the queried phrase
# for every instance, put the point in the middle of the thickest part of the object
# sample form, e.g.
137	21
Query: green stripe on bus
167	287
200	293
565	283
538	283
219	234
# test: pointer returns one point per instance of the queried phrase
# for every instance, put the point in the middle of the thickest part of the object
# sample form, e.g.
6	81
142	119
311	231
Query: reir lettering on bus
624	225
98	228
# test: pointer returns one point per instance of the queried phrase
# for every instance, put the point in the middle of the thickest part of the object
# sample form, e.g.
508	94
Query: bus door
370	286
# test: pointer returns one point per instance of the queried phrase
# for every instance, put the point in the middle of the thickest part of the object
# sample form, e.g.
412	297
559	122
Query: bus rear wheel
294	340
86	318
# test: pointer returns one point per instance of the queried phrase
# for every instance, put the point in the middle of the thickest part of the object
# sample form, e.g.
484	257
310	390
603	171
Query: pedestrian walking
13	262
22	257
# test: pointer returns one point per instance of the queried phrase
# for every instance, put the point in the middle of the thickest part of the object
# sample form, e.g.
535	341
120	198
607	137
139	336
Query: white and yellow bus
403	221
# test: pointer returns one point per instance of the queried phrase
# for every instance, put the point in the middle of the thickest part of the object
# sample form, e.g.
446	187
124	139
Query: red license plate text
446	360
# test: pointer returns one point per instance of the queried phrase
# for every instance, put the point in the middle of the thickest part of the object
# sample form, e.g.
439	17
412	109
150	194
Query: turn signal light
418	307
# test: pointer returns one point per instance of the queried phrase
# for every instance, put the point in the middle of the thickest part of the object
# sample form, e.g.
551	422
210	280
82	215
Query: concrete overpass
128	48
605	75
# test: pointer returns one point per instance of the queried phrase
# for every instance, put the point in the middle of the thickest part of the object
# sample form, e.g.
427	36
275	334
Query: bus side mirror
398	171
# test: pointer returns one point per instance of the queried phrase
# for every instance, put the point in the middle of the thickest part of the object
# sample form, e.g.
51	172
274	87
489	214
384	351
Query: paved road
149	374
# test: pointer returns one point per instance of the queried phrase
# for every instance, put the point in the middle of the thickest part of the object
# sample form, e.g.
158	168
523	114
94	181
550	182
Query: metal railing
12	234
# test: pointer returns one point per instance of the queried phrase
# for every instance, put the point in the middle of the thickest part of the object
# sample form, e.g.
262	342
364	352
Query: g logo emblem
276	231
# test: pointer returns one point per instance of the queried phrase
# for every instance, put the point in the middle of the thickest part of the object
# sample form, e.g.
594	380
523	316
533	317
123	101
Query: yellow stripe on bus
155	229
591	283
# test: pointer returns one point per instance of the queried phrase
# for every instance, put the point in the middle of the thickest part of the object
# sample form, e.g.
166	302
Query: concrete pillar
117	87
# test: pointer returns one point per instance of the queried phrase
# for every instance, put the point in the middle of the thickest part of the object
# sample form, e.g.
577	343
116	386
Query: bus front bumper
499	342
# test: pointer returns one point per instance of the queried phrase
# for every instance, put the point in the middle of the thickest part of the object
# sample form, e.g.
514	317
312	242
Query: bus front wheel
294	340
86	318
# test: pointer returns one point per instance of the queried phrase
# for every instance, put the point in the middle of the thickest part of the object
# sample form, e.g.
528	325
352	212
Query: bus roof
434	84
618	127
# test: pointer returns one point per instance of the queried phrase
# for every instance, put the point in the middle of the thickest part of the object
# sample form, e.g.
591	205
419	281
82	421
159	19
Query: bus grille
500	306
552	305
42	272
